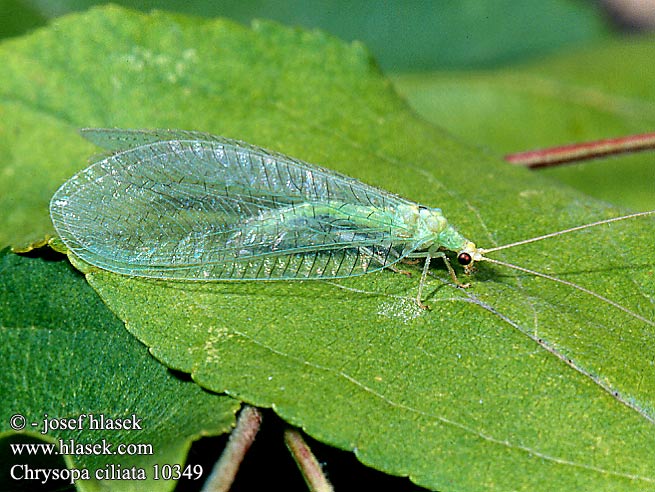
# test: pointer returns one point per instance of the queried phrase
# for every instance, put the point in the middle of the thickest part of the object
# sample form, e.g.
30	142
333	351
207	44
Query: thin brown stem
307	462
555	156
241	439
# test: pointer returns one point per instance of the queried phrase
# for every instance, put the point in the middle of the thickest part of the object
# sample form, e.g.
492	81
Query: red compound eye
464	259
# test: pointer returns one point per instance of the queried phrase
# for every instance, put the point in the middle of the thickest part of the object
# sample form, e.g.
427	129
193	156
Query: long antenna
571	284
566	231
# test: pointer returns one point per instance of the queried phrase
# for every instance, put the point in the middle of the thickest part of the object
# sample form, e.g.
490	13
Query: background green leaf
605	91
18	17
64	354
408	36
517	383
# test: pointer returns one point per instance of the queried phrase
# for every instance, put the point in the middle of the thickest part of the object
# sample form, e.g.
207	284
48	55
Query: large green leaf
65	356
516	383
601	92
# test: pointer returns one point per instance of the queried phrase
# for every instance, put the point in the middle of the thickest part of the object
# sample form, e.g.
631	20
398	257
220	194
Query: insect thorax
432	229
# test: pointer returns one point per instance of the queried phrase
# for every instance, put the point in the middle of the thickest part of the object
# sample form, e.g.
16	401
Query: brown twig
241	439
582	151
307	462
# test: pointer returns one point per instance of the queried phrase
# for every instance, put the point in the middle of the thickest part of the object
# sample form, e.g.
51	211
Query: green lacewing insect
183	205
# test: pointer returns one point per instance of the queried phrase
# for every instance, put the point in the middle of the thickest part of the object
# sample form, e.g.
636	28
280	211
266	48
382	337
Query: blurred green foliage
402	36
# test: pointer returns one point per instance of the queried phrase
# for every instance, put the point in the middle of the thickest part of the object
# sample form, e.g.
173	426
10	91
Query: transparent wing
117	139
208	208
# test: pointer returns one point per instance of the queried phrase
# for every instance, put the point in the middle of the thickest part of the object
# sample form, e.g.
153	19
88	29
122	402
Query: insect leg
395	269
413	261
429	255
424	276
453	275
